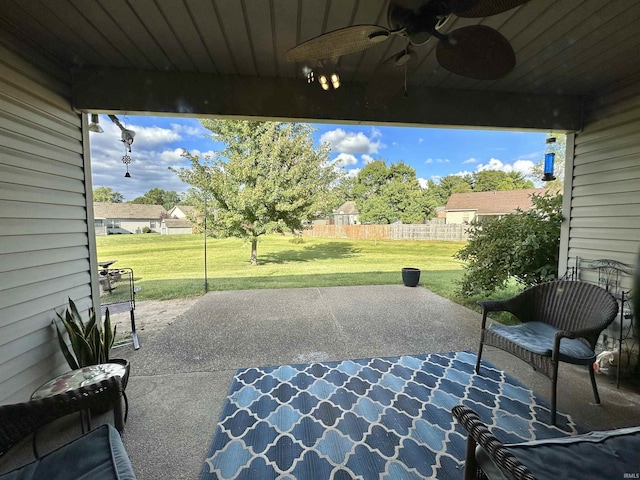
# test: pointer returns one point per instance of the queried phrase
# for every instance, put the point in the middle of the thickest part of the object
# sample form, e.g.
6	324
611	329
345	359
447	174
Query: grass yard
172	266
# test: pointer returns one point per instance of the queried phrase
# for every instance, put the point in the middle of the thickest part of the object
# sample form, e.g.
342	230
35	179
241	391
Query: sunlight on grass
172	266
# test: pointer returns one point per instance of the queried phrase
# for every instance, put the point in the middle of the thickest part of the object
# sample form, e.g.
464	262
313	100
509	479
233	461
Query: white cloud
344	159
193	131
521	166
471	160
462	173
353	172
152	137
436	160
352	143
422	182
367	158
151	154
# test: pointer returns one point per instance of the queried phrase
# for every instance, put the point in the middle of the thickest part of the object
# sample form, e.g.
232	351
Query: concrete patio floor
181	374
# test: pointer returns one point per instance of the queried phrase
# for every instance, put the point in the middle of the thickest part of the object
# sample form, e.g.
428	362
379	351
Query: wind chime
126	138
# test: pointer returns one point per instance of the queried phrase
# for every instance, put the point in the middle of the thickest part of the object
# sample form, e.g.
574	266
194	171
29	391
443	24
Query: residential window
113	223
152	224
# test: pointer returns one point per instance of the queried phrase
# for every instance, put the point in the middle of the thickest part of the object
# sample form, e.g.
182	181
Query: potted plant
90	341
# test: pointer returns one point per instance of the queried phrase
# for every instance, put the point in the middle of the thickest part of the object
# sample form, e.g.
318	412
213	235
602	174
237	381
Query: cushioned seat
608	454
560	322
97	455
538	338
602	455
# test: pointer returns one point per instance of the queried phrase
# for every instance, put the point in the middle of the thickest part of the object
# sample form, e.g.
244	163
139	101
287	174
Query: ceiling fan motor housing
420	24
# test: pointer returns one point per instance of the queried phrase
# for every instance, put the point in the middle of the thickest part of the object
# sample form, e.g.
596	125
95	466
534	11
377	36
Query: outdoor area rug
376	418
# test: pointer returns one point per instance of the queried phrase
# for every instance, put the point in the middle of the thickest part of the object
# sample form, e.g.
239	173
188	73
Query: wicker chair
17	421
607	454
561	322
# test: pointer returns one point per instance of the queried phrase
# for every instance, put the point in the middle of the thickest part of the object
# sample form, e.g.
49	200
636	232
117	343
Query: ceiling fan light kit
477	51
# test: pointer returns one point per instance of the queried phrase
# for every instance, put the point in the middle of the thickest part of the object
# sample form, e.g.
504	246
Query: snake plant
90	340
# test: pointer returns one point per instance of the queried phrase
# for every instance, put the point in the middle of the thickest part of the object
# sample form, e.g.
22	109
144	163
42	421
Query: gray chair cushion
97	455
538	337
597	455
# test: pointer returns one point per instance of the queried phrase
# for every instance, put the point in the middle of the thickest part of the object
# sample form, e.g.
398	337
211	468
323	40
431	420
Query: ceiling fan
476	51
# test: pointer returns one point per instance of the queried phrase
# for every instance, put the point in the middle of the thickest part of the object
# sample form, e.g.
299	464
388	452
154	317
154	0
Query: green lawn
171	266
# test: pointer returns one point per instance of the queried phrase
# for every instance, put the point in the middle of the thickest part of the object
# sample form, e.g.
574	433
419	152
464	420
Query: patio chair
561	322
98	454
605	454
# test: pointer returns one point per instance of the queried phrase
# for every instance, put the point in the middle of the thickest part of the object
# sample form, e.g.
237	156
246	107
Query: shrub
523	245
146	230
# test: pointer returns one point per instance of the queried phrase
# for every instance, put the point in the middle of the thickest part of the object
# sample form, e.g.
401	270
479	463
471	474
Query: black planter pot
410	276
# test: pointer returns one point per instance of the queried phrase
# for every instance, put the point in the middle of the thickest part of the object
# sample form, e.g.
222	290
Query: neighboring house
346	214
176	226
466	207
441	212
182	211
127	217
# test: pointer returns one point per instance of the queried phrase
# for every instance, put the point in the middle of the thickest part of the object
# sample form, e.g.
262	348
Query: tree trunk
254	251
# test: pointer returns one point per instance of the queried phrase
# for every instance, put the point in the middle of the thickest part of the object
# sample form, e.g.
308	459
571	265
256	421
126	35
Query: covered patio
577	70
181	376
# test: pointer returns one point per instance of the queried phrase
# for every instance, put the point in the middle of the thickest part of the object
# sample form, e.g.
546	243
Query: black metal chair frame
128	303
577	309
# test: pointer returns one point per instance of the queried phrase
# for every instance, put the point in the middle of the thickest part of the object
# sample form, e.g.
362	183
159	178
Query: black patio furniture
19	420
118	294
600	454
98	454
560	322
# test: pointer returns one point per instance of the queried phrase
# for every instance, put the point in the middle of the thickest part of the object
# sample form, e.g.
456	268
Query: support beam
192	94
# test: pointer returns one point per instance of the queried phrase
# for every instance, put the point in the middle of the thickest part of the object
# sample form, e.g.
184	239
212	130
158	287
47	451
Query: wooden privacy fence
427	231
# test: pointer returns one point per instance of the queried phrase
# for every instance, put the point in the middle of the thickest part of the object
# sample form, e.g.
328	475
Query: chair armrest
502	305
479	434
493	305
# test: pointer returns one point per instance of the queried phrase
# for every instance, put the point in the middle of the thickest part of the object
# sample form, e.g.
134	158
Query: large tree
491	180
440	192
386	194
157	196
107	194
268	178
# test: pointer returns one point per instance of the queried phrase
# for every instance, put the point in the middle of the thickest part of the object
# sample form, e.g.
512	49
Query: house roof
492	203
186	209
177	222
347	208
563	50
127	210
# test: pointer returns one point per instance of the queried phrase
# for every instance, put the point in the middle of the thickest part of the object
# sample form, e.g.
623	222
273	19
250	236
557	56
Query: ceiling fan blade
478	52
389	77
337	43
483	8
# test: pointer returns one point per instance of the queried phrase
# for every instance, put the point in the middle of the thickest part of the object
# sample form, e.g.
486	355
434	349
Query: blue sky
433	153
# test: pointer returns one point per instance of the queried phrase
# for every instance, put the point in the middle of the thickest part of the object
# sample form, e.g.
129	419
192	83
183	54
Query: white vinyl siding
604	181
44	242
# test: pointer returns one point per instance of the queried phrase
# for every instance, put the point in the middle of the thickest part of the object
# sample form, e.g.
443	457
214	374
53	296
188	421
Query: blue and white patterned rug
377	418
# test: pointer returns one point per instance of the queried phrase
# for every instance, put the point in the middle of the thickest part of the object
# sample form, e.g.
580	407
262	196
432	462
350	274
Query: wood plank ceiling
568	47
